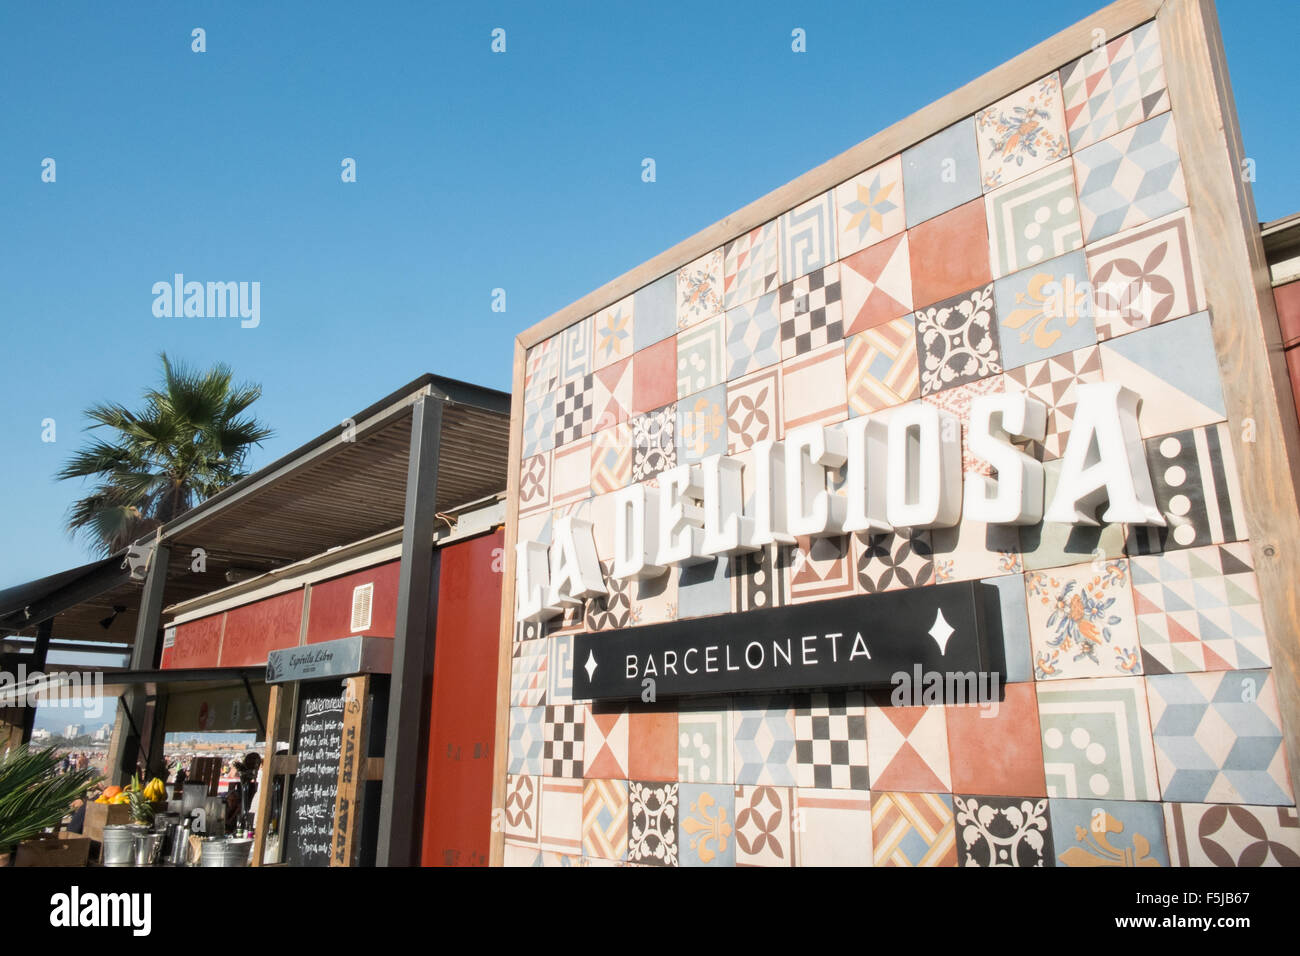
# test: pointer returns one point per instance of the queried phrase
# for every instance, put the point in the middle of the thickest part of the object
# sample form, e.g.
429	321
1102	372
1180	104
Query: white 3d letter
636	533
811	509
868	446
923	489
769	494
726	529
1016	495
532	582
681	532
1104	461
575	569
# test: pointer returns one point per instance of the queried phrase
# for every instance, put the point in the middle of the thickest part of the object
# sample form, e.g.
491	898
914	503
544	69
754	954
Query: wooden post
353	772
263	818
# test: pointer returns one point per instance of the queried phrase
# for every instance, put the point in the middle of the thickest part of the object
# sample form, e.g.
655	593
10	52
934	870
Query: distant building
72	731
105	732
39	735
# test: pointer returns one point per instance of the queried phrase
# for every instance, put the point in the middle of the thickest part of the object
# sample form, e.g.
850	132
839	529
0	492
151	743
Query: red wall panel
329	615
256	629
462	719
1287	299
198	644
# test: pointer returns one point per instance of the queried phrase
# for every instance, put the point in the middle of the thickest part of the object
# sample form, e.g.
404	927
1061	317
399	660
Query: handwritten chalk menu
309	831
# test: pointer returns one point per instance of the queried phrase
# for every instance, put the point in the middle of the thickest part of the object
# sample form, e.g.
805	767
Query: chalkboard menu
309	830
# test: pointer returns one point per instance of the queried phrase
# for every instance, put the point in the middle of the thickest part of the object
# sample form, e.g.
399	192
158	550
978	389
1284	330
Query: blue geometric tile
941	173
807	237
527	734
764	737
1130	178
539	424
753	335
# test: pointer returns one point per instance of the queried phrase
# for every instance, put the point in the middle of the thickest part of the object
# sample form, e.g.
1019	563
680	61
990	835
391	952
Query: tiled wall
1140	726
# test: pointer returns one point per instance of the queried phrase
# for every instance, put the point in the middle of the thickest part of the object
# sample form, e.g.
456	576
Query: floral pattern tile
957	340
699	289
832	827
1081	621
1114	87
652	823
702	424
1130	178
1033	219
973	550
888	562
942	172
612	333
1021	132
1045	310
654	442
1218	738
750	265
869	207
654	601
1145	275
708	824
882	368
1097	739
764	826
1003	831
877	284
1108	833
1234	835
913	829
754	409
808	237
956	401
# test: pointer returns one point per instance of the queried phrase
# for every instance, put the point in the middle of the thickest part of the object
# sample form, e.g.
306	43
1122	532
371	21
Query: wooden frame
1238	294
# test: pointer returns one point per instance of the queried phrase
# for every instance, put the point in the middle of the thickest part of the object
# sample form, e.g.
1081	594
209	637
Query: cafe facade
938	508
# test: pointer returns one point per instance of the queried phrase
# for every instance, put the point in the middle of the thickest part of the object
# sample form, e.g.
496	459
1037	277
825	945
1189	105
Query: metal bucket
119	843
148	846
225	852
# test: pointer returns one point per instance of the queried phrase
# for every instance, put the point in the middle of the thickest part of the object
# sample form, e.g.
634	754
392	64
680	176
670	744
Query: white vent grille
362	597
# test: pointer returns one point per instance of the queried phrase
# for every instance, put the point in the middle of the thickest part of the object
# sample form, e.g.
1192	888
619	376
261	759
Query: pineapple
141	807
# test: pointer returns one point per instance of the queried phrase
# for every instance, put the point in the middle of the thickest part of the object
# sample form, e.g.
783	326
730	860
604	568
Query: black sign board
862	641
309	830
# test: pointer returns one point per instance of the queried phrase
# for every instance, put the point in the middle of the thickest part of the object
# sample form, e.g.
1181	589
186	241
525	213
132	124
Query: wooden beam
263	818
353	769
1247	337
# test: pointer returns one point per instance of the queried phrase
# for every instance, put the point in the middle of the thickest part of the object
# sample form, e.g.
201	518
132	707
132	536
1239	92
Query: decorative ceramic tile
1174	368
887	562
995	746
876	284
652	823
941	172
753	335
974	549
1014	625
1081	621
1097	739
529	631
907	748
699	289
1145	276
654	376
808	237
815	387
754	409
830	731
612	334
1045	310
704	589
708	824
1051	544
1198	610
1108	833
1111	88
561	674
526	732
1130	178
539	424
562	817
611	459
542	368
949	254
811	312
704	741
1218	738
611	396
530	673
1195	479
1003	831
574	410
764	826
571	473
518	855
832	828
869	207
535	483
1033	219
604	819
575	358
652	743
764	740
1053	382
702	424
654	442
759	579
522	813
655	310
913	829
654	601
614	610
562	734
605	741
1201	835
956	401
881	367
1021	132
750	265
957	340
701	362
820	568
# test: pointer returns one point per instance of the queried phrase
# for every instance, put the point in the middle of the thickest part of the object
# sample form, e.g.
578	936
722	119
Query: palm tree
34	794
188	442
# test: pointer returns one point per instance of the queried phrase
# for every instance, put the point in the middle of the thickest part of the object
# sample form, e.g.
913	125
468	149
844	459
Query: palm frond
34	795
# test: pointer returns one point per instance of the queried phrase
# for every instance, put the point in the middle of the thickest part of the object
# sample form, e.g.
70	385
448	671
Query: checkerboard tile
1130	178
1021	132
1033	219
1114	87
811	312
562	741
877	284
750	265
913	829
574	410
830	731
869	207
699	289
957	340
808	237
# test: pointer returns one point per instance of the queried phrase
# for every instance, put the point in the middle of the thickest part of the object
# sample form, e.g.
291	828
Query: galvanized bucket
119	843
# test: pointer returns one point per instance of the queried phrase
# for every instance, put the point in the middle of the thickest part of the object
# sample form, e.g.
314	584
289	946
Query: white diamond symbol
590	666
941	630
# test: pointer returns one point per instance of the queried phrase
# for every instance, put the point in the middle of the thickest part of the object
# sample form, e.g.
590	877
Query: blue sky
474	171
